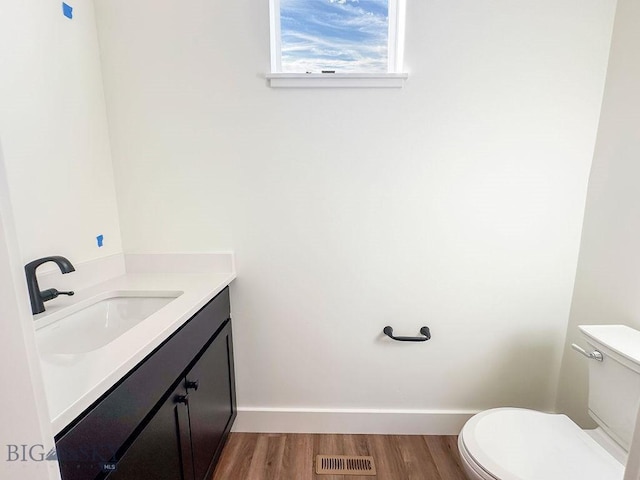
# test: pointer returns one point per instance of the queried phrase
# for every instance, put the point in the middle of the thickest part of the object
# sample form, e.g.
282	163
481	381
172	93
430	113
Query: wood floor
271	456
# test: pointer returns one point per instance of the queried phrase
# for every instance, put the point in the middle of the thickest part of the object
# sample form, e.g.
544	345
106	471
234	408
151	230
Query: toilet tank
614	383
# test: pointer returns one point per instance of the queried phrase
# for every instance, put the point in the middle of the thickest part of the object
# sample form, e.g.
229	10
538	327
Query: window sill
337	80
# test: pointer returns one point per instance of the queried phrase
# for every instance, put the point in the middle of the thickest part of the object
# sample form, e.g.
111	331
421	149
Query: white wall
56	192
23	416
455	202
54	131
608	276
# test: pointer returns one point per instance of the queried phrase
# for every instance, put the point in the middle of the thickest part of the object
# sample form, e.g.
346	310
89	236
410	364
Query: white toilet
521	444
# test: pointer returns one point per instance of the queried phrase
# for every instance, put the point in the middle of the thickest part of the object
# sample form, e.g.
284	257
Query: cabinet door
212	406
162	450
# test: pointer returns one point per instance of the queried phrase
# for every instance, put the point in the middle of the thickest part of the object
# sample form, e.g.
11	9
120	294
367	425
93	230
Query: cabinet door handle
192	384
388	331
182	399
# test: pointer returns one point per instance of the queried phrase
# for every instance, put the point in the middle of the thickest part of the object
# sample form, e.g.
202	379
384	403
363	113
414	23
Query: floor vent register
344	465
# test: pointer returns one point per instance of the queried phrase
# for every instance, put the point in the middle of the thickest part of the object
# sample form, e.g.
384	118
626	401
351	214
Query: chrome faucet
35	295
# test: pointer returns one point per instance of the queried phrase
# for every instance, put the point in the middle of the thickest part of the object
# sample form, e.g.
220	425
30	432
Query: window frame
394	77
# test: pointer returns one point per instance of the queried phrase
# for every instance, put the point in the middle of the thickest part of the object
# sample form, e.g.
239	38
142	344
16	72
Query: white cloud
341	35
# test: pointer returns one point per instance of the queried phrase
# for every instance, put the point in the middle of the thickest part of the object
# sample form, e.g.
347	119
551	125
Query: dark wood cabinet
211	405
169	417
161	450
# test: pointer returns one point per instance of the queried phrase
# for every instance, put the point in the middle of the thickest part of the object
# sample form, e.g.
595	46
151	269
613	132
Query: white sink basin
94	323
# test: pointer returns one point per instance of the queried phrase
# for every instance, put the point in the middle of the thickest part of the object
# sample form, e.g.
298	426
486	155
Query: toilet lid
520	444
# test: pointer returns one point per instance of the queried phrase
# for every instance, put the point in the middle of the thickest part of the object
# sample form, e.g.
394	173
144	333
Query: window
336	43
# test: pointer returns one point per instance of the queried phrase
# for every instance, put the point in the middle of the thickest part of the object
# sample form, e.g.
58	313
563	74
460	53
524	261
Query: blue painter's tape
100	240
67	10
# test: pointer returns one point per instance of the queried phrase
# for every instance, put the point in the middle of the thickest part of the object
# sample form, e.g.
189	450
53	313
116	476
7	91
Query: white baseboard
397	422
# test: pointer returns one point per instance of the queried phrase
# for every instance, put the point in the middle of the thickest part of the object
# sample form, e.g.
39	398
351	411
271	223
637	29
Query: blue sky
343	35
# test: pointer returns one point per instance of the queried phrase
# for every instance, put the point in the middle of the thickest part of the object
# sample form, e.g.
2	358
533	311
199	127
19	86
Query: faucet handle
52	293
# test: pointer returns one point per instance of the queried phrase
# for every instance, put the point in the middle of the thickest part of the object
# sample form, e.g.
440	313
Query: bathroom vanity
157	400
169	417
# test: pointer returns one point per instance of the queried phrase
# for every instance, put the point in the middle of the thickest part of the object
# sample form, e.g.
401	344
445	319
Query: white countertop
74	382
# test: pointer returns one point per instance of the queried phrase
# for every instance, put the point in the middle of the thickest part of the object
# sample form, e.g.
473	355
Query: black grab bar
388	331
